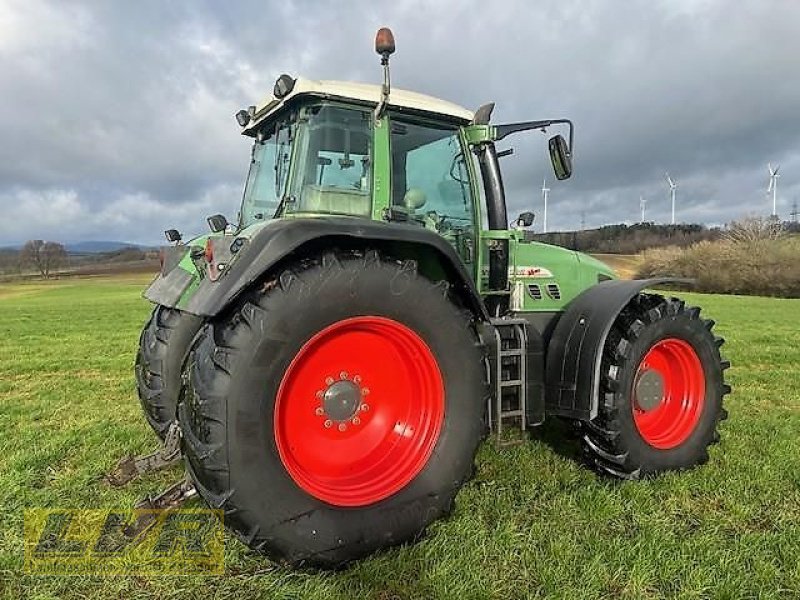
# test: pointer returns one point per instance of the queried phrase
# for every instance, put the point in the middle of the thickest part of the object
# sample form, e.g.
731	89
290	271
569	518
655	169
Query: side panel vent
554	291
535	291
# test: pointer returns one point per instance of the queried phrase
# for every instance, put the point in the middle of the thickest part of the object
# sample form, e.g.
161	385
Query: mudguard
282	237
572	371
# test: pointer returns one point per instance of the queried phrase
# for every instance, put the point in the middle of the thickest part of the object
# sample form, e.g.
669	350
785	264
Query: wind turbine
642	205
672	187
773	187
545	189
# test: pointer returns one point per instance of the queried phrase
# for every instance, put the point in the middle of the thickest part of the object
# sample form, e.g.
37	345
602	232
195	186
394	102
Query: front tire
337	412
162	347
661	391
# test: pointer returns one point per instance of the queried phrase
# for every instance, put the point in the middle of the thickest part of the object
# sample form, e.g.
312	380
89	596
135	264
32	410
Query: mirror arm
501	131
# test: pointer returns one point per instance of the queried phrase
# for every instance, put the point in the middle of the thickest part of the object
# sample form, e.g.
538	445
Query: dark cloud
117	122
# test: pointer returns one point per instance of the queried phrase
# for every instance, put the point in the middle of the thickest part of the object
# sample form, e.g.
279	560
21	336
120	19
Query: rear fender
283	240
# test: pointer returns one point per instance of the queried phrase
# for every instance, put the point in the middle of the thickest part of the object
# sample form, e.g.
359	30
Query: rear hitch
131	467
171	498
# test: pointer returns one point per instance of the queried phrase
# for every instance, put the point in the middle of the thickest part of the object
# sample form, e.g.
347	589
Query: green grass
533	523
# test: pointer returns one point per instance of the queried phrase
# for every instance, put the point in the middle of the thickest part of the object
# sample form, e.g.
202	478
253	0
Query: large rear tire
162	348
337	411
661	392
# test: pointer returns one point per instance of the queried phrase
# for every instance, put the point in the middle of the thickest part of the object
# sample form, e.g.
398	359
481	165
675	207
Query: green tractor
331	361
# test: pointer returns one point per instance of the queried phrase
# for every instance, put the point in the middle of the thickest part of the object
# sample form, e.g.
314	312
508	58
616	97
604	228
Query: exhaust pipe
498	220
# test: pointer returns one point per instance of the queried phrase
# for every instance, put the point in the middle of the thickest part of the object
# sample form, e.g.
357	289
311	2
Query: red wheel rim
669	393
350	452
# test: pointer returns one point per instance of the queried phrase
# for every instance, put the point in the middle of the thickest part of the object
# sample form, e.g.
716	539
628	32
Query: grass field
533	523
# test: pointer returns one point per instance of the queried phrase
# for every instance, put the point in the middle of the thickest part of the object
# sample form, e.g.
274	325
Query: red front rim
386	437
673	372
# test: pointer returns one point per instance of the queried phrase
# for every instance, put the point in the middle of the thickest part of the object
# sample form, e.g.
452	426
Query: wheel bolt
364	391
329	380
343	375
320	411
320	394
356	421
328	423
357	379
365	407
342	426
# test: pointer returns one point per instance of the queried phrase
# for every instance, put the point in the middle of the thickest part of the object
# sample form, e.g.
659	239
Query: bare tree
753	229
44	256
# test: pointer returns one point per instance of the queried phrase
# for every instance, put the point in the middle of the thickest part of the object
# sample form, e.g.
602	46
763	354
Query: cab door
430	181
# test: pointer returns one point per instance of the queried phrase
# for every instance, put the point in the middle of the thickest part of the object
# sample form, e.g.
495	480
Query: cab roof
361	92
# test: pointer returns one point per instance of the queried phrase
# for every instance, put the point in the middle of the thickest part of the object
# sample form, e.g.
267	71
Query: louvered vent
535	291
554	291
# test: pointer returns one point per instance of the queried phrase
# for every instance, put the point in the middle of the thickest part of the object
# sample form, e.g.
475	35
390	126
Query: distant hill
88	247
98	246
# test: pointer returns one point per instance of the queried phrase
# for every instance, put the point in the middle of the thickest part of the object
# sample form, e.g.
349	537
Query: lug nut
364	407
328	423
357	379
320	411
342	426
356	421
320	394
329	380
343	375
364	391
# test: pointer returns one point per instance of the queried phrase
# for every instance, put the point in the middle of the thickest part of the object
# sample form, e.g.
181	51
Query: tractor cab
321	148
322	151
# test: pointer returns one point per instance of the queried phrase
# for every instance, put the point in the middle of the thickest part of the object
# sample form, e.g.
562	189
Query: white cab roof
362	92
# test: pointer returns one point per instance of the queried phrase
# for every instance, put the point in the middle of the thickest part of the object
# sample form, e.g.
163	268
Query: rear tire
162	348
661	391
289	466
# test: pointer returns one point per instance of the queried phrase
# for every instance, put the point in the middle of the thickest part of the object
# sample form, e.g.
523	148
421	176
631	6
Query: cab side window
430	181
334	162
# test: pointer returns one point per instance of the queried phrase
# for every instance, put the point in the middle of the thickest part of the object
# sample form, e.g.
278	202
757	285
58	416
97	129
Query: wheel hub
341	400
649	389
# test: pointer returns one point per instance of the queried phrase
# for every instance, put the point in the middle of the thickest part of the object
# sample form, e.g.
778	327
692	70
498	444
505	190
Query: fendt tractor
329	363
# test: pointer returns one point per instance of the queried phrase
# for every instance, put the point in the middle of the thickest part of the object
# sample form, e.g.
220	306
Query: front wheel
337	413
661	391
162	347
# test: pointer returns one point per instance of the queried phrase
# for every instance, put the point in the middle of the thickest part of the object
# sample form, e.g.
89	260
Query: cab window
430	182
334	162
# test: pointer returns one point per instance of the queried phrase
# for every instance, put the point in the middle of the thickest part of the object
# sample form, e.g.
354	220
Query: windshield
269	167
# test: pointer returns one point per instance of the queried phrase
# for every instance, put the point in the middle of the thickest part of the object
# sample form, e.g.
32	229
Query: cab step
508	407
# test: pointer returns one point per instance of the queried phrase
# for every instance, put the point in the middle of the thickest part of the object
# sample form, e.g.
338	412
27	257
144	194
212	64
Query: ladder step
511	341
511	413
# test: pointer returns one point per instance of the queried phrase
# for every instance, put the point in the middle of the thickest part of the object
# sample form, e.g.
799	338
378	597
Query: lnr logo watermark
136	542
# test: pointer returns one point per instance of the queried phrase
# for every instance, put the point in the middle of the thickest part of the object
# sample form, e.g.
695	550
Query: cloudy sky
116	118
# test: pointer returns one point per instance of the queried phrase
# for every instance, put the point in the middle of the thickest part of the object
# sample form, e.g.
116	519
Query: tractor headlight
243	118
283	86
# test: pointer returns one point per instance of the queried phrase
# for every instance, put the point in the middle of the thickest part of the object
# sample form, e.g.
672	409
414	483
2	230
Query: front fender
572	371
281	238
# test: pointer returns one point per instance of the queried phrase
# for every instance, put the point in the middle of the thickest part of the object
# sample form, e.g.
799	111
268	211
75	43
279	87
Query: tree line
632	239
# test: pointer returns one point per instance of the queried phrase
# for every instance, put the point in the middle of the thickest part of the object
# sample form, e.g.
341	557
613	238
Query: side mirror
217	223
525	220
561	157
